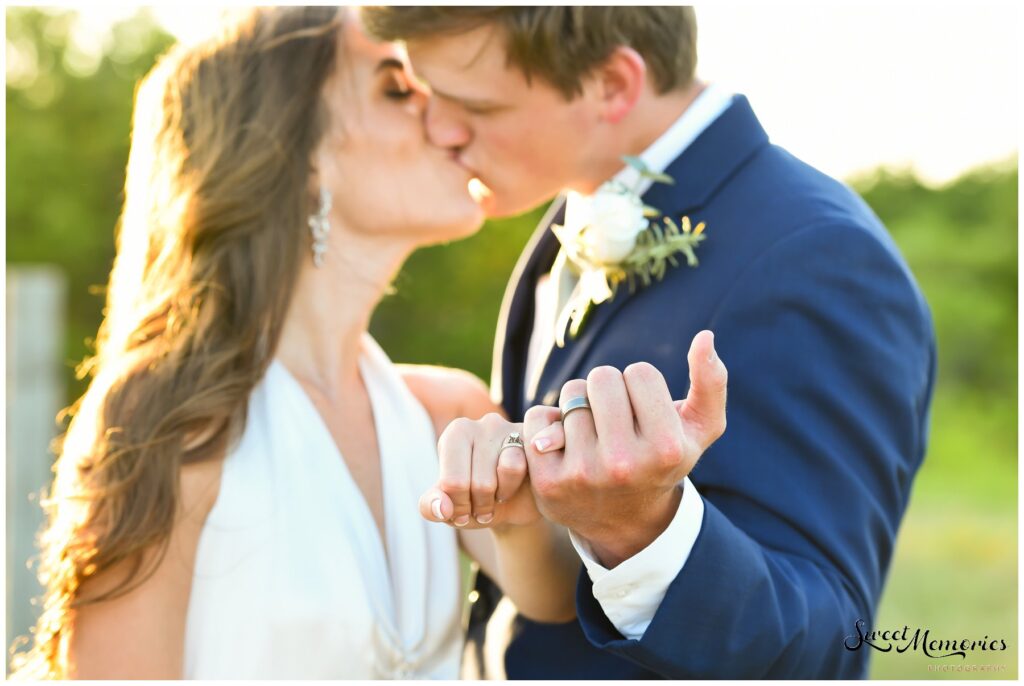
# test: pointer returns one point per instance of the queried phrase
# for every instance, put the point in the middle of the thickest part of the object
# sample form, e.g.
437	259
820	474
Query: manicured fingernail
435	508
461	521
484	518
542	444
711	355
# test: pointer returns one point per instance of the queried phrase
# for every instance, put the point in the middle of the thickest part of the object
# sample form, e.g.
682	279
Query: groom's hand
615	484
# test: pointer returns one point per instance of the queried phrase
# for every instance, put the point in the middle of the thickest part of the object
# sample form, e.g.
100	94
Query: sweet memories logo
902	641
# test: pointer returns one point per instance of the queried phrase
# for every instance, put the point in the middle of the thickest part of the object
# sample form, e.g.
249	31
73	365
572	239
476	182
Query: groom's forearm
538	570
742	611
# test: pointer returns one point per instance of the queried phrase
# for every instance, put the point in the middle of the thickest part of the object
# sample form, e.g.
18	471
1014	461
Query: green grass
955	574
955	566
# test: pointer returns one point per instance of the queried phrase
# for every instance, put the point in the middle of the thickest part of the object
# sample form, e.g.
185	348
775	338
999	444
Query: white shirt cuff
630	593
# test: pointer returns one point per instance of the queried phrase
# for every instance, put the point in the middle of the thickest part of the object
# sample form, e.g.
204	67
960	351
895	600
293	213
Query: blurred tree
961	242
68	123
447	298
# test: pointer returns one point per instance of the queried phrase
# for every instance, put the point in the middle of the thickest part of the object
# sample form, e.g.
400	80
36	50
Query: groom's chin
502	207
494	205
499	205
468	226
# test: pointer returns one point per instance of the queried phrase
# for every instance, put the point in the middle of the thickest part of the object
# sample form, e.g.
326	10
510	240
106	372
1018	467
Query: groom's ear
620	81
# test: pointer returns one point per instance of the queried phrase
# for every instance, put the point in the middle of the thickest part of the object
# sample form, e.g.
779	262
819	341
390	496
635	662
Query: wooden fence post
35	393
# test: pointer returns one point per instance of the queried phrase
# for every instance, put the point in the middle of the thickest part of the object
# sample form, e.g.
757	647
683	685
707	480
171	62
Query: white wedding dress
292	580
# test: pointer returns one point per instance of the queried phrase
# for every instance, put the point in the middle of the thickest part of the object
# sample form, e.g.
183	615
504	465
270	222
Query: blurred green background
955	570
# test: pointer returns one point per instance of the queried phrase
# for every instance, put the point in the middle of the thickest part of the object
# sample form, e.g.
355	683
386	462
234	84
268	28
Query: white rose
616	219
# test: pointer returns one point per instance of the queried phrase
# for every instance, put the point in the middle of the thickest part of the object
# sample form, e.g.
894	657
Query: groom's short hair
560	44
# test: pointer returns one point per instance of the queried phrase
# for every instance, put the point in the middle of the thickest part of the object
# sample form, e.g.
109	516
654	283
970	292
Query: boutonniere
615	237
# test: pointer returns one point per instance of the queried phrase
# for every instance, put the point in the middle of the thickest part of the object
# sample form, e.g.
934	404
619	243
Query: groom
779	539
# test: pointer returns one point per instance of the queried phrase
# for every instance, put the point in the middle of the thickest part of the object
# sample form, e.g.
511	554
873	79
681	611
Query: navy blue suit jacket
831	357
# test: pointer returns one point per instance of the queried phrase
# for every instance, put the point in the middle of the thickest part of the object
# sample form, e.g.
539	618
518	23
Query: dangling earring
319	227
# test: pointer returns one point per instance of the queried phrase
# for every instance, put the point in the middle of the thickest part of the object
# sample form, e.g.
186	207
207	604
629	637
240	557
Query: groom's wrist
615	544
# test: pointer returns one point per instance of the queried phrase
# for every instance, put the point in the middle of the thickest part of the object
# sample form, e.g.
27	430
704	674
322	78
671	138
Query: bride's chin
474	213
469	226
456	228
464	216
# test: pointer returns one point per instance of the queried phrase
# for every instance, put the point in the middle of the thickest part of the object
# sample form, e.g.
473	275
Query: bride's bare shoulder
448	393
140	633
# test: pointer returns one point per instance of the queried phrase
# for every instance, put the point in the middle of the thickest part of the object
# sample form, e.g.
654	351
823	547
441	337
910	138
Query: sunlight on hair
149	193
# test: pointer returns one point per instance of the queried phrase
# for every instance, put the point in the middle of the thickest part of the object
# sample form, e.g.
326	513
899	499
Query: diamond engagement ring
512	440
579	403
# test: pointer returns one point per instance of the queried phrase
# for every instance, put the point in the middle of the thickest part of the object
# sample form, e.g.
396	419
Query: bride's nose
420	97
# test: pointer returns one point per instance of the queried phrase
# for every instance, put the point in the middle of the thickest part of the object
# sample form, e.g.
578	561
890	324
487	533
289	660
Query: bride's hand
480	485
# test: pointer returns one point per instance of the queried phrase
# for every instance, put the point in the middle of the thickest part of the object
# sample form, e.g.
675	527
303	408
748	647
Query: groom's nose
445	128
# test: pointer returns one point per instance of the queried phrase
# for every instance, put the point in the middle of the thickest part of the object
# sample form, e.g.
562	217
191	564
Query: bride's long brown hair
209	245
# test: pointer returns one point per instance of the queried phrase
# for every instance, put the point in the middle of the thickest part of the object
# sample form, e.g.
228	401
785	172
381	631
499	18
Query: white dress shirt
630	593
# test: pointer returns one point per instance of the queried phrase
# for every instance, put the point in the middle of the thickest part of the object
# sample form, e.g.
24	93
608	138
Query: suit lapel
699	171
515	323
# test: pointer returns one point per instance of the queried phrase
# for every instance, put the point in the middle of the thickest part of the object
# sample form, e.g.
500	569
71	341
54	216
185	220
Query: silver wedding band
512	440
579	403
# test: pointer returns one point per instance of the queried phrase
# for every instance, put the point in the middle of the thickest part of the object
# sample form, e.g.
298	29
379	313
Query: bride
236	495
